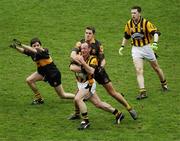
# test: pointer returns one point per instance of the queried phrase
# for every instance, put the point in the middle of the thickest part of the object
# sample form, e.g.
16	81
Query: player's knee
28	80
76	99
139	71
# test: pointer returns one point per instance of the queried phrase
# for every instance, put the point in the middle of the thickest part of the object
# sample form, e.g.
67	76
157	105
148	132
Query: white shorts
144	52
87	90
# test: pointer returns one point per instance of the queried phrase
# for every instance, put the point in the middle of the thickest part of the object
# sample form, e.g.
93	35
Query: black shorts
54	80
101	76
51	74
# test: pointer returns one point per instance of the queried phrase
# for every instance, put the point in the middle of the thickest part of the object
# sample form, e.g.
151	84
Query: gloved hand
154	46
12	45
17	42
120	50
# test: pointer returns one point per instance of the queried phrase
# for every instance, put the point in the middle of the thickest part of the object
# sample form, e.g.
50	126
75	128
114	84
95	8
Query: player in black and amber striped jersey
142	32
46	69
84	73
100	74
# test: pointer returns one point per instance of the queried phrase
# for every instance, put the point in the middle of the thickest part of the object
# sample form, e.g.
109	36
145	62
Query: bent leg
76	114
107	107
111	91
77	111
158	70
83	108
60	91
160	74
79	101
101	105
31	80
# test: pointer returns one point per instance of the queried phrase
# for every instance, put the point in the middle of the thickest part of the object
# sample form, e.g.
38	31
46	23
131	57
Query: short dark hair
137	7
91	28
34	40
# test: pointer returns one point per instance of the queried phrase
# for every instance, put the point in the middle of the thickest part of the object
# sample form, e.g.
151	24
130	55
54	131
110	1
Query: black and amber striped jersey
41	58
140	33
83	76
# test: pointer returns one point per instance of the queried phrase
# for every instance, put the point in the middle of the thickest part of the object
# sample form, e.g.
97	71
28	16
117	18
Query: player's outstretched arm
16	45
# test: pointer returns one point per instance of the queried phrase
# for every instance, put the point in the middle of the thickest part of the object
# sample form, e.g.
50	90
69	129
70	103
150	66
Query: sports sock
164	82
142	91
129	108
77	112
85	117
38	96
116	112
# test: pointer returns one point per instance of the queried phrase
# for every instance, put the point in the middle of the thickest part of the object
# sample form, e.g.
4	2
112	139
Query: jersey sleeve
101	48
28	53
77	47
152	28
100	52
127	32
93	62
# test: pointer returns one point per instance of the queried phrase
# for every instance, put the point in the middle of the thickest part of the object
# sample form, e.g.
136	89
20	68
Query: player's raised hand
17	42
12	46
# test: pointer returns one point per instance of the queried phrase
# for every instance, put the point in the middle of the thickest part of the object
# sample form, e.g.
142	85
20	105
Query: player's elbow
74	68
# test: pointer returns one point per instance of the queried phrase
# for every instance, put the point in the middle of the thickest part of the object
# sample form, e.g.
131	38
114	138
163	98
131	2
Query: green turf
59	24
